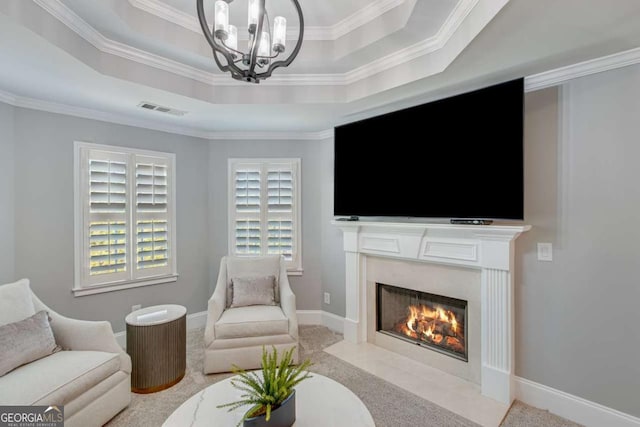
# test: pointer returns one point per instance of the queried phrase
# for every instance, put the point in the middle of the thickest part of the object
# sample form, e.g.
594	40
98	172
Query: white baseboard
574	408
196	320
333	322
309	317
319	317
305	317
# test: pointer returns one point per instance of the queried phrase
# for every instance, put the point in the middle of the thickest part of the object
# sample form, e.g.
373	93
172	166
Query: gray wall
577	317
7	235
333	257
44	214
308	287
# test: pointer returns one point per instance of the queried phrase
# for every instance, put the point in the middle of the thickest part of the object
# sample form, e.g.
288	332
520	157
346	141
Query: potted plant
270	393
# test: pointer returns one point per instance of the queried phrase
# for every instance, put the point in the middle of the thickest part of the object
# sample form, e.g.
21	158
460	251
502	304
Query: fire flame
421	322
454	324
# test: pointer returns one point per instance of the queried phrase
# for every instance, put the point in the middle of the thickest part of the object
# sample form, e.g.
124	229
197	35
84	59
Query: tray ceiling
359	57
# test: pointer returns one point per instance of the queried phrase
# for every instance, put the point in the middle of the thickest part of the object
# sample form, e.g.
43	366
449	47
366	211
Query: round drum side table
157	345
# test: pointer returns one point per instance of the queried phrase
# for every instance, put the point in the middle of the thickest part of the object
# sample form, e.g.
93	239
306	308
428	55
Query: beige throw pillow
25	341
253	291
252	267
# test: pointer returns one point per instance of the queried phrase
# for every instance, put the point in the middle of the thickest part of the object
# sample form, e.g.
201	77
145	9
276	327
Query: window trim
297	269
80	216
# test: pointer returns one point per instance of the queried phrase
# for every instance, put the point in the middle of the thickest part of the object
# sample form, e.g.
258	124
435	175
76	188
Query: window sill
111	287
295	272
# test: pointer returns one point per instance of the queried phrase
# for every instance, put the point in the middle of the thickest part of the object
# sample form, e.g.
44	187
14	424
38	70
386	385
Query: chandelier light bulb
222	19
232	40
264	50
254	14
279	33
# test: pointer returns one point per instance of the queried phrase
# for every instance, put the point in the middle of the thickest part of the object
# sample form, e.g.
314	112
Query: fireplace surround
486	249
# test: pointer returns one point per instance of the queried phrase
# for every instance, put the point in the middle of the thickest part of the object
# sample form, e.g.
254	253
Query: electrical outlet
136	307
327	298
545	252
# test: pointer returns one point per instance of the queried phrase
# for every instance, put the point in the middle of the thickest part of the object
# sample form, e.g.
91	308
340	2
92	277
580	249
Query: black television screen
460	157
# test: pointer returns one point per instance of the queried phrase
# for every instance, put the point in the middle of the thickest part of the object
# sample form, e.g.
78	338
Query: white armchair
91	378
236	336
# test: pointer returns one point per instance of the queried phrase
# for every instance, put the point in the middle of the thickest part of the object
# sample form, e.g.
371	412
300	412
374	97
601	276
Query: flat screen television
459	157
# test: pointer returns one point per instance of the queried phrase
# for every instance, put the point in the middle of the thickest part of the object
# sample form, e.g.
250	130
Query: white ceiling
361	58
317	13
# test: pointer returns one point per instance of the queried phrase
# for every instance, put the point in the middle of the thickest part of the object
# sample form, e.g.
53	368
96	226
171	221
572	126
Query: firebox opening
432	321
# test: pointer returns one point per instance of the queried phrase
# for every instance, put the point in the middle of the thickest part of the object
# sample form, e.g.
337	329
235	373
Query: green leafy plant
265	391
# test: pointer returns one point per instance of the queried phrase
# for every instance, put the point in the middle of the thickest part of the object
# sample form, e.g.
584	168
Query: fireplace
432	321
473	263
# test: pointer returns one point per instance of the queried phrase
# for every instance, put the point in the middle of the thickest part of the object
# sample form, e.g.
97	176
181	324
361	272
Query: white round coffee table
320	402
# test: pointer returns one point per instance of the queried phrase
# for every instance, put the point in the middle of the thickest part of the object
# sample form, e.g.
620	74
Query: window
264	209
125	211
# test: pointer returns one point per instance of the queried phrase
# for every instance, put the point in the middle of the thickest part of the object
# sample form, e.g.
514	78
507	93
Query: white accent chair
236	336
91	377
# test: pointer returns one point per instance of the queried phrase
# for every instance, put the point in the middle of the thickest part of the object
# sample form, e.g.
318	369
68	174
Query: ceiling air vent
161	109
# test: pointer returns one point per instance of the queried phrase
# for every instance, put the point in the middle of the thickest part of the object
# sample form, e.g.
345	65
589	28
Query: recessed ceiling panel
317	13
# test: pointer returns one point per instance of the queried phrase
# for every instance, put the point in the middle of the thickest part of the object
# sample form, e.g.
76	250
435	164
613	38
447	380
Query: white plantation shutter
106	237
280	211
248	190
247	224
152	216
108	184
264	211
124	216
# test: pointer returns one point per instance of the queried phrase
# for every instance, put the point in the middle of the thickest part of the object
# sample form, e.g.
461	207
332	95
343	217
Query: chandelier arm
257	39
231	49
269	57
295	51
231	66
223	68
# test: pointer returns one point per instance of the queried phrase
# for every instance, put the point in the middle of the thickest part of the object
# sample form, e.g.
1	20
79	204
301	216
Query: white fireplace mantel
487	248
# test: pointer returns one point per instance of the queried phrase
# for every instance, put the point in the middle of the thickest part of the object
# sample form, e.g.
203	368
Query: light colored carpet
389	405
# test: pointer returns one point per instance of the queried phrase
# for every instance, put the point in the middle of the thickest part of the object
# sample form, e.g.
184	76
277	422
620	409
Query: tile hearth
448	391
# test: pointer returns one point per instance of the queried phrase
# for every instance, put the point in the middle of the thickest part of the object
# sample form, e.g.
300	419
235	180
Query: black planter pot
284	416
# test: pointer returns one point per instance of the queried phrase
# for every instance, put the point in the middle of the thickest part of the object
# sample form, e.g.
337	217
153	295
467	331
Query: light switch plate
545	252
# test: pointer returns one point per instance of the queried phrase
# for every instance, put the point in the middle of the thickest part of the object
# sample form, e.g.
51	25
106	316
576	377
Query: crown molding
581	69
362	17
93	114
168	13
69	18
62	13
432	44
7	98
78	25
315	136
156	125
532	83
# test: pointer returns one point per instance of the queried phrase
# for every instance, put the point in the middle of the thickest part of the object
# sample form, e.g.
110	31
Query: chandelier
265	46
